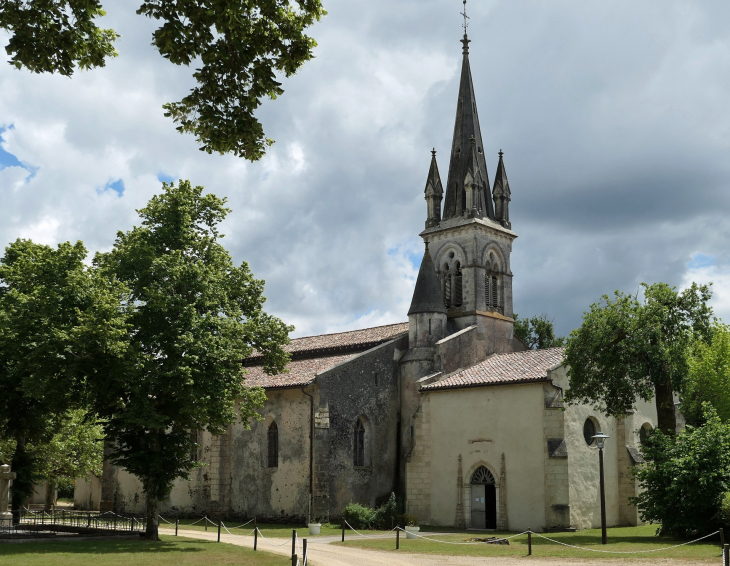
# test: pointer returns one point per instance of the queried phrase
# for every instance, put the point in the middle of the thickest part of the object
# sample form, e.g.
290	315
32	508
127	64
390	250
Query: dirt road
321	553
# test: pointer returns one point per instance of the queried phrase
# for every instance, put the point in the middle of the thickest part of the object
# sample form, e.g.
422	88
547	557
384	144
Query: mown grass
621	539
170	551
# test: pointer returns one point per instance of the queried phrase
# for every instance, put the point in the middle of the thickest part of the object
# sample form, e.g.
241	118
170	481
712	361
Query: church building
448	409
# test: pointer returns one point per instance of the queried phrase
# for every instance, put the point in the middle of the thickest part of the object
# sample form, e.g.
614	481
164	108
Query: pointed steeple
427	296
434	193
501	194
466	128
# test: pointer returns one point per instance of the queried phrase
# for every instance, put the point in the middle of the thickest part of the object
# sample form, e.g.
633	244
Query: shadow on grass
104	547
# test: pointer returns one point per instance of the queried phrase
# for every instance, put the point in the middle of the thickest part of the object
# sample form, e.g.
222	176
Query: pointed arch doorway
483	499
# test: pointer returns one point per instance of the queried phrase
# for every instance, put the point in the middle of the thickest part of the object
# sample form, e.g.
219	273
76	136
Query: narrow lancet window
457	285
359	449
273	452
447	286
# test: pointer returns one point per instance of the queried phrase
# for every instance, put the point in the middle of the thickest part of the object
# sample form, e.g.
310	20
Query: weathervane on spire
466	24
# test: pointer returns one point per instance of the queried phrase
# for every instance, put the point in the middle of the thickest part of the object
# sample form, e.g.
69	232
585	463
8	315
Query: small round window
644	432
590	428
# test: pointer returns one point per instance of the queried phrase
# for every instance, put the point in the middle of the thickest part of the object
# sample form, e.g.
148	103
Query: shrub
359	516
725	509
685	478
386	516
407	520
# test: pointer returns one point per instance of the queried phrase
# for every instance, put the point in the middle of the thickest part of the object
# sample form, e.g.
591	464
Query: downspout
311	454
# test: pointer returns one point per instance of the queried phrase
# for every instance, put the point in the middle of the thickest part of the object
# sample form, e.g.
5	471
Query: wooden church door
483	500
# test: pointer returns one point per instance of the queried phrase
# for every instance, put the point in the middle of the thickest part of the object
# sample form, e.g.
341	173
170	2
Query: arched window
359	444
482	475
590	428
491	283
457	285
273	452
447	286
644	433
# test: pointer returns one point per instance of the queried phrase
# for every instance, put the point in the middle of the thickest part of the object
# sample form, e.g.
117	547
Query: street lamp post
601	438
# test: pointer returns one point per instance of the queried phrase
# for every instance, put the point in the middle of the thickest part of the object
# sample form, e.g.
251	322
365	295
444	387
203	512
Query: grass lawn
170	551
623	539
268	530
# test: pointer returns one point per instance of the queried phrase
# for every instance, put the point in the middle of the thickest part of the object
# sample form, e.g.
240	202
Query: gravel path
324	554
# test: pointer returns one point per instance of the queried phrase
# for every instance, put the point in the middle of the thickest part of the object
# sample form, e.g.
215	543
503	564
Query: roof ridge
349	331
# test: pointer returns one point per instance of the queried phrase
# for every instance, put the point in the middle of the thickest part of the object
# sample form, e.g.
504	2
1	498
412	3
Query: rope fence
626	551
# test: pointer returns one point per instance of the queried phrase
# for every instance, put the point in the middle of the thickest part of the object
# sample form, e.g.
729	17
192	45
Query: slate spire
434	193
427	296
466	128
501	194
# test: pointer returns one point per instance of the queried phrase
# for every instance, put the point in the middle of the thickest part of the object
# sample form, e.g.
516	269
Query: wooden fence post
529	542
255	536
304	552
294	542
722	538
726	555
205	522
397	539
343	530
219	529
177	523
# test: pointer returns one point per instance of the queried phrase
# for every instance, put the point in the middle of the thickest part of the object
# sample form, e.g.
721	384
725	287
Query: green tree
60	324
631	347
537	332
194	318
708	379
240	46
685	478
76	450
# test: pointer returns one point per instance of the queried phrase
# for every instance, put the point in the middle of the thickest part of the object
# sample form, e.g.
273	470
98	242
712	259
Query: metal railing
25	523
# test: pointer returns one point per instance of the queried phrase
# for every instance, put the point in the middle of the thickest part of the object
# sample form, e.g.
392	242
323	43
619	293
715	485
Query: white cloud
612	117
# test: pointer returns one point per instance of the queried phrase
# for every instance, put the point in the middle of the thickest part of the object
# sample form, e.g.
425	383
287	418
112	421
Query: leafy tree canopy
240	46
708	379
633	347
686	477
60	323
74	450
194	318
537	332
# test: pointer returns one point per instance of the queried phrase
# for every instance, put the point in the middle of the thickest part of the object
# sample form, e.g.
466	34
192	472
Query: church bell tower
470	241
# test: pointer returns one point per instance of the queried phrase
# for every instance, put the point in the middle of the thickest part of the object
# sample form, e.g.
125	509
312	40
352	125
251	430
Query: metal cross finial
433	152
466	25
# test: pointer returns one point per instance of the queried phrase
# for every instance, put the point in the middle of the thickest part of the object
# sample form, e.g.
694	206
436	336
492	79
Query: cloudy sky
613	116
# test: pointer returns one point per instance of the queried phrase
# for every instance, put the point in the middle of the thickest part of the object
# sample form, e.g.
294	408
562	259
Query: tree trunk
152	533
666	415
50	495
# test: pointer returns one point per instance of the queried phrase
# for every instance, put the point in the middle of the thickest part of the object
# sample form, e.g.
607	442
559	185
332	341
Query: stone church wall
479	424
583	465
349	392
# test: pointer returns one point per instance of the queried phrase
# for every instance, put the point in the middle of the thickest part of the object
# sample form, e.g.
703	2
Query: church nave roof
503	369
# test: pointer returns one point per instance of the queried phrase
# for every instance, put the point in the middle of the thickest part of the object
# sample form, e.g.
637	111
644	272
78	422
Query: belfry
471	240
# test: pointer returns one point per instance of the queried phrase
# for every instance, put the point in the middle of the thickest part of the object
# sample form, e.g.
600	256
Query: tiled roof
350	339
518	367
313	354
301	372
342	341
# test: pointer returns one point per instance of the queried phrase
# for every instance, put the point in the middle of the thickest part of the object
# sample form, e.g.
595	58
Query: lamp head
600	439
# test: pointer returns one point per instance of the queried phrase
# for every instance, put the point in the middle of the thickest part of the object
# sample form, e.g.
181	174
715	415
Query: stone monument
5	476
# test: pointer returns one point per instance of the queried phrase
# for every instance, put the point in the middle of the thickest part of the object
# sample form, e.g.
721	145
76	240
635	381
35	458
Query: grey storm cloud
612	116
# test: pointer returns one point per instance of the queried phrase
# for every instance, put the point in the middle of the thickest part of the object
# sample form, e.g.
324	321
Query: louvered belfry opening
359	444
458	288
447	286
273	445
